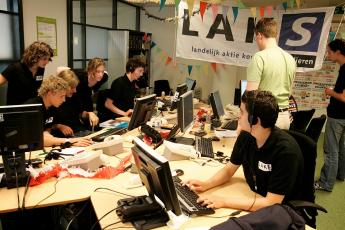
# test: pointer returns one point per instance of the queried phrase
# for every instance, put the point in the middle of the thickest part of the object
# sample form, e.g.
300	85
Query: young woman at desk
263	150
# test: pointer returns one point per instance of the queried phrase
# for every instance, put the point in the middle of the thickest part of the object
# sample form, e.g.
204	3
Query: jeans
334	153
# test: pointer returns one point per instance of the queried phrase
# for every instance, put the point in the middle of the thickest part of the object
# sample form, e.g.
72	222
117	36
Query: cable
15	171
111	224
47	196
25	192
113	191
120	227
76	215
94	225
234	213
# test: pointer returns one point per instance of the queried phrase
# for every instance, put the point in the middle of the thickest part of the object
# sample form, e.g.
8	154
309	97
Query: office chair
301	119
161	85
103	113
315	127
306	207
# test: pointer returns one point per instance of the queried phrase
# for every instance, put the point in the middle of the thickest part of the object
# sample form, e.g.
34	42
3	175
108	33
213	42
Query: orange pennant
169	59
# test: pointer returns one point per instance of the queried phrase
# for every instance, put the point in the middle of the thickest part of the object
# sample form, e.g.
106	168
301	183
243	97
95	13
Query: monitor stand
15	170
143	211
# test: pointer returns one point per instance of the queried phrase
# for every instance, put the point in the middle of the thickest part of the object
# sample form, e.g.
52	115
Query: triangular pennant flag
169	59
235	12
342	34
190	67
177	2
331	36
203	6
262	11
153	44
198	67
161	4
214	10
253	11
159	50
190	4
214	66
292	3
285	5
269	10
298	3
241	5
225	10
205	70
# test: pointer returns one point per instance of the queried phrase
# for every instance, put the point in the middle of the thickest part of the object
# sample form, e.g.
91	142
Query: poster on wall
222	38
309	87
46	32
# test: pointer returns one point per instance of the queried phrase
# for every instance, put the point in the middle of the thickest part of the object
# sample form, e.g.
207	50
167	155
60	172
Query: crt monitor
142	112
191	83
21	130
243	86
154	171
185	111
216	104
180	89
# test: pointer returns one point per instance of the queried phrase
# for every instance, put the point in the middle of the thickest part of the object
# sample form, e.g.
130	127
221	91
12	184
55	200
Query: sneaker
318	186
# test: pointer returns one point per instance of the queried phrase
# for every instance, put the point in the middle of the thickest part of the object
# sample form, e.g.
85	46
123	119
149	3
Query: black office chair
315	127
103	113
301	119
306	207
160	86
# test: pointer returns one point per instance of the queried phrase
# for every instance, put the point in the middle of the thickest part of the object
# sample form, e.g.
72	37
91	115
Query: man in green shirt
272	69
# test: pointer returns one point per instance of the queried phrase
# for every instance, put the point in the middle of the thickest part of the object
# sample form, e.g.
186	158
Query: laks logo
301	32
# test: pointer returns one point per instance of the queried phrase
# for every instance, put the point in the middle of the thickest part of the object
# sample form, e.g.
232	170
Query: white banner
301	32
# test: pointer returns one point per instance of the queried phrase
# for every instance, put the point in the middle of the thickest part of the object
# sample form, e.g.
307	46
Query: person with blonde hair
71	119
25	77
51	95
90	81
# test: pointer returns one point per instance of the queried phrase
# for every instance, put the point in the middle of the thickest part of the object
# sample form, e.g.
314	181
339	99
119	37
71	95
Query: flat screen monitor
185	111
243	86
180	89
216	104
154	171
142	111
21	128
191	83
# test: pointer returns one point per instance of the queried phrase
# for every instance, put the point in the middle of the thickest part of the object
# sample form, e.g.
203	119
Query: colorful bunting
203	6
262	11
190	4
225	10
298	2
269	10
235	12
285	5
153	44
253	11
292	3
177	2
190	67
214	10
331	36
161	4
169	59
240	4
214	66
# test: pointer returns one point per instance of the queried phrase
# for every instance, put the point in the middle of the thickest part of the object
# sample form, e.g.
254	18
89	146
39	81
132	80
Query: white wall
56	9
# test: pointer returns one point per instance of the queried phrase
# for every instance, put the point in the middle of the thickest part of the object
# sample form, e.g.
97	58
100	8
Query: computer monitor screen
191	83
185	111
142	111
243	86
216	104
180	89
154	171
21	128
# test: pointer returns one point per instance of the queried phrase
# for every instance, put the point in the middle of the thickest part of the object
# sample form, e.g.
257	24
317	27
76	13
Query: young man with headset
271	159
121	96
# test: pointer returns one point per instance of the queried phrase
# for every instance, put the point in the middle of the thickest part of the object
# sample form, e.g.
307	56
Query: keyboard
188	198
113	131
230	125
204	146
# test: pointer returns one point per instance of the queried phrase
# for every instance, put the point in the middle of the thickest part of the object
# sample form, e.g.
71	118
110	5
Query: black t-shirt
48	114
22	85
336	108
69	114
122	92
276	167
84	92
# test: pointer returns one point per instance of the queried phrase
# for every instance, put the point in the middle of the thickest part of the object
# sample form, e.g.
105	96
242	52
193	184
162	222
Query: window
89	22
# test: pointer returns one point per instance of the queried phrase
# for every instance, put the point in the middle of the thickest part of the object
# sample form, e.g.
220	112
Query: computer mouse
215	138
179	172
